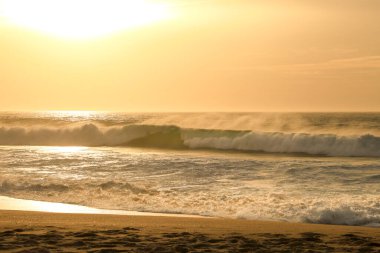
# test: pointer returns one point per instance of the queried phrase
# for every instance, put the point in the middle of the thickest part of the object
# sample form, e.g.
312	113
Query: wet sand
22	231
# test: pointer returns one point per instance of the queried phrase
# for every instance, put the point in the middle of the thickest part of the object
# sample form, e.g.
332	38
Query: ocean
297	167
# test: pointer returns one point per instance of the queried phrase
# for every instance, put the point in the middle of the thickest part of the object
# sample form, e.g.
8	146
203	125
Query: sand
25	231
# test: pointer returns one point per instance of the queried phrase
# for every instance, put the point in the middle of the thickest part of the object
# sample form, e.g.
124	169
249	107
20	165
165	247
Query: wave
170	136
344	215
7	186
121	195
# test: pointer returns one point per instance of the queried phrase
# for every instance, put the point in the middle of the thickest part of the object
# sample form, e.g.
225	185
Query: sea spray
178	138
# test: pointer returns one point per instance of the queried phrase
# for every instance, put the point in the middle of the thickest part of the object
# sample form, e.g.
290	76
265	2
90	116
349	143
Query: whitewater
298	167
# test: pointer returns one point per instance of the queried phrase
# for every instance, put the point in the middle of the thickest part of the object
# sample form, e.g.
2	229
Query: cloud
370	62
358	64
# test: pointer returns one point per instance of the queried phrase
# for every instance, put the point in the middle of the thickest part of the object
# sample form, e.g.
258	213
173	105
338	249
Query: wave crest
167	136
343	216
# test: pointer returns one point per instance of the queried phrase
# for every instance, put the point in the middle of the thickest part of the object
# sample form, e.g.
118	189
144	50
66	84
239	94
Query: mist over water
193	164
339	134
319	123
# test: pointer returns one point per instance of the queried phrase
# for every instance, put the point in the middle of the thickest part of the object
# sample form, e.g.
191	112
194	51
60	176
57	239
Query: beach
23	231
109	182
189	126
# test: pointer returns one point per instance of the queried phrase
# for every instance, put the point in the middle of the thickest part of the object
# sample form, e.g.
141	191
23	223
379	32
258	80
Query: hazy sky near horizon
265	55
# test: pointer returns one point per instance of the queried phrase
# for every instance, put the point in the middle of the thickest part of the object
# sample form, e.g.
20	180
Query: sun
80	19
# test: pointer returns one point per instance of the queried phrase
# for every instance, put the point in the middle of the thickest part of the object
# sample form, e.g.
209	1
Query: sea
296	167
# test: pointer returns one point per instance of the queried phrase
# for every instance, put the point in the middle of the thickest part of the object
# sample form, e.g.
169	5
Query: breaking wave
167	136
344	215
363	211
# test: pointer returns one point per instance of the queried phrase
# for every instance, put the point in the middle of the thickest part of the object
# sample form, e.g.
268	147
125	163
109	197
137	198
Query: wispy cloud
362	64
370	62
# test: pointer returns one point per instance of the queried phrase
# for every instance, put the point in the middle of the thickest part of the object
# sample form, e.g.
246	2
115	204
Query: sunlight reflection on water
7	203
64	149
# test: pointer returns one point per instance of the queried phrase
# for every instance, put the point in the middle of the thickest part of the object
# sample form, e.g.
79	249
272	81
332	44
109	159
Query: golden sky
190	55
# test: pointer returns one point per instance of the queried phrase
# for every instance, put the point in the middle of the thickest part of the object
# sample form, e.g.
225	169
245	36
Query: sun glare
71	114
80	19
64	150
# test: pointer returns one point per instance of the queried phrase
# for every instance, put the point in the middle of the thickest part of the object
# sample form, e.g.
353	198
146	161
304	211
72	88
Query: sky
284	55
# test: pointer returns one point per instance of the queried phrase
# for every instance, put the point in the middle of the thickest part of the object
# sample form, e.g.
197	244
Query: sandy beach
24	231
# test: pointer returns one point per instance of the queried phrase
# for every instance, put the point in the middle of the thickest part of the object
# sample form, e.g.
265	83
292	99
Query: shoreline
15	204
28	205
51	232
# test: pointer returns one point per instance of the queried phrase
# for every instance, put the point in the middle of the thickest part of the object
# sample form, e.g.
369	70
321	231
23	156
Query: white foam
332	145
343	215
173	137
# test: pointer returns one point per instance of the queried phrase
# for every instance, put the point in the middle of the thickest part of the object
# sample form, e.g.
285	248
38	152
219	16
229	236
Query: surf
175	137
